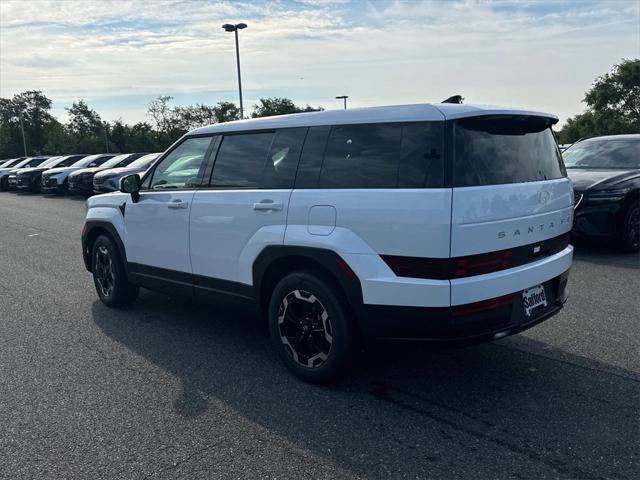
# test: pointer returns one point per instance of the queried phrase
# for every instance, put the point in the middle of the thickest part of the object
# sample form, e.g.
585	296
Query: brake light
483	306
448	268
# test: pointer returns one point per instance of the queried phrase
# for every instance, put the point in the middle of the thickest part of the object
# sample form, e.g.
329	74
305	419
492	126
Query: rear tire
310	327
629	240
109	275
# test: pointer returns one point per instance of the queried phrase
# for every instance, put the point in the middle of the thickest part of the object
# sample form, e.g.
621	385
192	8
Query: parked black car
29	178
605	172
26	163
109	180
81	182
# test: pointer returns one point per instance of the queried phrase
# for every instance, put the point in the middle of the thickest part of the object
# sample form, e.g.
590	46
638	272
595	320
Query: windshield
50	161
144	161
113	162
13	163
67	161
33	162
92	161
603	154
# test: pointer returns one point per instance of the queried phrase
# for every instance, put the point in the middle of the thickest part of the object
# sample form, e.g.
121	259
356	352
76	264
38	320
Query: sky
119	55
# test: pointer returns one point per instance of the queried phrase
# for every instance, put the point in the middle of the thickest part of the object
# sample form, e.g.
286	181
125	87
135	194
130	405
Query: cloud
540	55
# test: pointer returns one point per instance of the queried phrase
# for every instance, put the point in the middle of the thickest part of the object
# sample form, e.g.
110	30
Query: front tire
310	327
109	275
629	240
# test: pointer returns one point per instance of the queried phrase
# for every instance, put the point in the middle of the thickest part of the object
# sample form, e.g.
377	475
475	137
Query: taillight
448	268
483	306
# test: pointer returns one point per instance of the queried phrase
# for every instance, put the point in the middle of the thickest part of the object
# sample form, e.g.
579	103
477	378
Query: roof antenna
454	99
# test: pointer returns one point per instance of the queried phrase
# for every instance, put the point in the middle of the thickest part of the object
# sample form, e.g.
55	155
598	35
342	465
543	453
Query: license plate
533	298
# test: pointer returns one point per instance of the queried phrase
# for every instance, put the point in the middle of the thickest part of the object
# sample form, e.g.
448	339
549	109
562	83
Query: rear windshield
506	149
603	154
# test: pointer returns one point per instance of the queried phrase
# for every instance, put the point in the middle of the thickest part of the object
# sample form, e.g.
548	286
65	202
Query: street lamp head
232	28
341	97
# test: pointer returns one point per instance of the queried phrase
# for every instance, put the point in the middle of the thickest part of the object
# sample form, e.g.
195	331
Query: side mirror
131	184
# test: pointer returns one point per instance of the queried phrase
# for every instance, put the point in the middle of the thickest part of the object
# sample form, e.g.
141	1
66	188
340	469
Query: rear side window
506	149
373	156
265	160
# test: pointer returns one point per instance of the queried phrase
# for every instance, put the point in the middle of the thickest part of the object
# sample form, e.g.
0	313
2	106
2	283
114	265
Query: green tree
613	105
33	107
226	112
268	107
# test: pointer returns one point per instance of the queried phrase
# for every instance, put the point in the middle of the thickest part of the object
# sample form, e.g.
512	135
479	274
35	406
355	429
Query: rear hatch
510	185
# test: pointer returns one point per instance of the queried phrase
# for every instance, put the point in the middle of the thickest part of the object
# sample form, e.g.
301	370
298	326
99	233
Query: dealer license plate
533	298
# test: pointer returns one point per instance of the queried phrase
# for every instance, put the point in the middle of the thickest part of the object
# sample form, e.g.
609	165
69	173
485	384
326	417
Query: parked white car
435	222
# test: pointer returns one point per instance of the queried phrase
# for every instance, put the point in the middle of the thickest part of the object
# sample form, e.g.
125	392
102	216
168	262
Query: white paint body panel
157	233
227	233
497	217
410	222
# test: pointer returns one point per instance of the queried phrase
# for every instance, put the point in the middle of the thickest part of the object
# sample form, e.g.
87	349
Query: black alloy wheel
305	328
310	326
109	275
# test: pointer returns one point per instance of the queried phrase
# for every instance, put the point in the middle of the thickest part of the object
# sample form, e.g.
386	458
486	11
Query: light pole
106	139
234	28
343	97
24	141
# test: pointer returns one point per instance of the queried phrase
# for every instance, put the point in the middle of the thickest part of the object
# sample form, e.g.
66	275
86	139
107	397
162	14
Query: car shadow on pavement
494	410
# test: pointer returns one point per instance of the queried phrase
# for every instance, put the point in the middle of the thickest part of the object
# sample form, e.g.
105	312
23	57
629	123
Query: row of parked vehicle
79	174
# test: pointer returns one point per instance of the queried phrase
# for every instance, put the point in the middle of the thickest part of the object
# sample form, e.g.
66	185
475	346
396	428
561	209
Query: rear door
510	185
245	207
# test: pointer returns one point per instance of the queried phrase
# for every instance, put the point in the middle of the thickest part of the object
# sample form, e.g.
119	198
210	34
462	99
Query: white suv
436	222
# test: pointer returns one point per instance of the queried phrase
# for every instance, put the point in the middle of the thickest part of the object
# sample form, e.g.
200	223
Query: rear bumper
442	325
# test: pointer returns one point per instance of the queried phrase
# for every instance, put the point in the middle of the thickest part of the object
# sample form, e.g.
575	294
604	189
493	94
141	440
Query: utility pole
24	141
106	139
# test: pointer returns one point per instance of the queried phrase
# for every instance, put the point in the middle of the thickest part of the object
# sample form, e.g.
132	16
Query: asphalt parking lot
173	389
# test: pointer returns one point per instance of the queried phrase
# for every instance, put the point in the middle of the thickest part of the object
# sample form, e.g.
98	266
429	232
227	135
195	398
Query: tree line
612	107
86	132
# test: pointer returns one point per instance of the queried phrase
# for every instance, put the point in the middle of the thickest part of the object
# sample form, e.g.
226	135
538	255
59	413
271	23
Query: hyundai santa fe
436	222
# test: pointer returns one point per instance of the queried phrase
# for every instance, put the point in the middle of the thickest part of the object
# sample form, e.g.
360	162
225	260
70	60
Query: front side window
180	168
603	154
505	149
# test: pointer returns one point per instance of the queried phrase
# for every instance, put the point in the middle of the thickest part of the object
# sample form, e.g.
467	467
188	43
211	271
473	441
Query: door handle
178	204
267	205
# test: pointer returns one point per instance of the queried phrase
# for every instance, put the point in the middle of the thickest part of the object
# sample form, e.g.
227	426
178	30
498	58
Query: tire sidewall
342	331
122	289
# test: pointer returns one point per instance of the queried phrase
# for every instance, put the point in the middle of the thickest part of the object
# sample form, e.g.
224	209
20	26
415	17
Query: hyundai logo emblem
544	196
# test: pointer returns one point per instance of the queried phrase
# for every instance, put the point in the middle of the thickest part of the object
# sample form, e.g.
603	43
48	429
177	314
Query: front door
157	224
